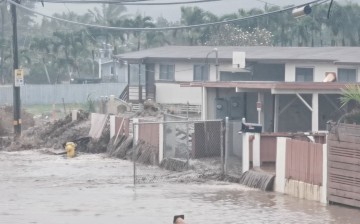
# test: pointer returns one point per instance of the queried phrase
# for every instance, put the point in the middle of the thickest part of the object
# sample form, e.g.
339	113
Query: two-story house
283	88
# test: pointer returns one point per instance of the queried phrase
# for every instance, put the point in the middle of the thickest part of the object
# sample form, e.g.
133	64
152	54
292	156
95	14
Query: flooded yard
91	188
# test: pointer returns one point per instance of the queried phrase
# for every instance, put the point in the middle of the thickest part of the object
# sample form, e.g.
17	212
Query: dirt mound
7	117
53	135
151	108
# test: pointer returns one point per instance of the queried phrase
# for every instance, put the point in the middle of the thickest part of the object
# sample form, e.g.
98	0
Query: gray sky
171	12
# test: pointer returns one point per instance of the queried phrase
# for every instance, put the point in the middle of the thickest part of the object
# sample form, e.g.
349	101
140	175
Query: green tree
230	35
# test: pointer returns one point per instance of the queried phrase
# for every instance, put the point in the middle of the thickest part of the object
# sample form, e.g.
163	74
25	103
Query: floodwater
40	188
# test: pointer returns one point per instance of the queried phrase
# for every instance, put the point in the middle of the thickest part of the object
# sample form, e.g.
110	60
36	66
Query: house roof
342	55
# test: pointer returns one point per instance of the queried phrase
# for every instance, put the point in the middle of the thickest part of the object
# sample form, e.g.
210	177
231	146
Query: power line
268	3
129	3
166	28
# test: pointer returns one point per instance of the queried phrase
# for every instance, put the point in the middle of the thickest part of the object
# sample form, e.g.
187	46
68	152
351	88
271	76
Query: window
167	72
134	74
304	74
346	75
201	72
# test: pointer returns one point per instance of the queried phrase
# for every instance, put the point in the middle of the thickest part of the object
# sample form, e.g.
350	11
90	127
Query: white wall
211	105
172	93
319	70
184	71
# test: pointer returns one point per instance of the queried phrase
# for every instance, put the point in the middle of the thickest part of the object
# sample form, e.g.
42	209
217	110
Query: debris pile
7	117
53	135
120	148
151	109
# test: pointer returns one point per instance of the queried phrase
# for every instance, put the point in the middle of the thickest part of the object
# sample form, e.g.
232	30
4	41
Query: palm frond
351	92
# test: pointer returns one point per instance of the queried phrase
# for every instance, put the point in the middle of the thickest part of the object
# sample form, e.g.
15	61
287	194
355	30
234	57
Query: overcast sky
172	12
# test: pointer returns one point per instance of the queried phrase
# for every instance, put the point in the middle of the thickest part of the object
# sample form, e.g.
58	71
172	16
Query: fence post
161	142
280	164
135	141
324	187
227	132
245	152
222	132
187	136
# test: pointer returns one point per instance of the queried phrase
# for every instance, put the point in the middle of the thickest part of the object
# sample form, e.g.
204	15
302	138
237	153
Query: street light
215	50
301	11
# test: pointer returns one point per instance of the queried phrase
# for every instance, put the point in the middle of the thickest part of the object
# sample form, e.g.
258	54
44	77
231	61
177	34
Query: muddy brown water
40	188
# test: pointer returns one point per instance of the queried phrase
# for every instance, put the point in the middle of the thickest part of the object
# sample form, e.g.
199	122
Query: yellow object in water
70	149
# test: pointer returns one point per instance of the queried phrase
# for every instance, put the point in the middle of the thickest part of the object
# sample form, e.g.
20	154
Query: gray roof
346	55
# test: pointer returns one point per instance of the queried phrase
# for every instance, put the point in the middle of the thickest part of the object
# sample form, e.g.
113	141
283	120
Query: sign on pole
19	77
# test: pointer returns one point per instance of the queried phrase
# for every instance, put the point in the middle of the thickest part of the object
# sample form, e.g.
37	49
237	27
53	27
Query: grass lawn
50	108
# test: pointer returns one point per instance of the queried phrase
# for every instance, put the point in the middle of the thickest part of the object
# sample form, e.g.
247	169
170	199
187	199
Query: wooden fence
149	133
304	161
344	164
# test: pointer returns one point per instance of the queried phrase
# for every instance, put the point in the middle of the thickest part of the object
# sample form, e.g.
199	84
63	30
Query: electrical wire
128	3
268	3
165	28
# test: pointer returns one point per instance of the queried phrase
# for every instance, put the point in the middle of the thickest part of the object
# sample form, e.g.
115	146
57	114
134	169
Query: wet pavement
40	188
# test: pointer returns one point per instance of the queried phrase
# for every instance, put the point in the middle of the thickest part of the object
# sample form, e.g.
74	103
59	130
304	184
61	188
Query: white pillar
315	112
261	114
161	142
112	126
245	153
135	130
280	164
323	194
204	114
74	114
100	68
276	113
256	150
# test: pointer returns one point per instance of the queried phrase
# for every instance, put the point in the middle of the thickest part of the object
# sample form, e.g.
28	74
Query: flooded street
40	188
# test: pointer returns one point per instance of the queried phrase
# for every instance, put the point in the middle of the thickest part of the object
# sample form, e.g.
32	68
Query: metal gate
344	164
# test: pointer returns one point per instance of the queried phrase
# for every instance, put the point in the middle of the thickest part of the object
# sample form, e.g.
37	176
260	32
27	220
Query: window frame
167	72
296	74
204	76
344	68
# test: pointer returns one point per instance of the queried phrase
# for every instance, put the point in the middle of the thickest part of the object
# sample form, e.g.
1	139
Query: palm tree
139	22
70	46
350	93
42	47
193	16
351	97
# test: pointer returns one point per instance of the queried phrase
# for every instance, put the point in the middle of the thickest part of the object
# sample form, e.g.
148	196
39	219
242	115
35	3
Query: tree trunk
46	71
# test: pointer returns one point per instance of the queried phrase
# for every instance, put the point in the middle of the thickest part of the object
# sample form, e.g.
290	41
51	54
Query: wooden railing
125	94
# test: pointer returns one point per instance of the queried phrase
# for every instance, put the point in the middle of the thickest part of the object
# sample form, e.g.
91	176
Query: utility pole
16	88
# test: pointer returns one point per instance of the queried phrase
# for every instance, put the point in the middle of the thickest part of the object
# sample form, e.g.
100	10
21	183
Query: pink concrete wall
304	161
